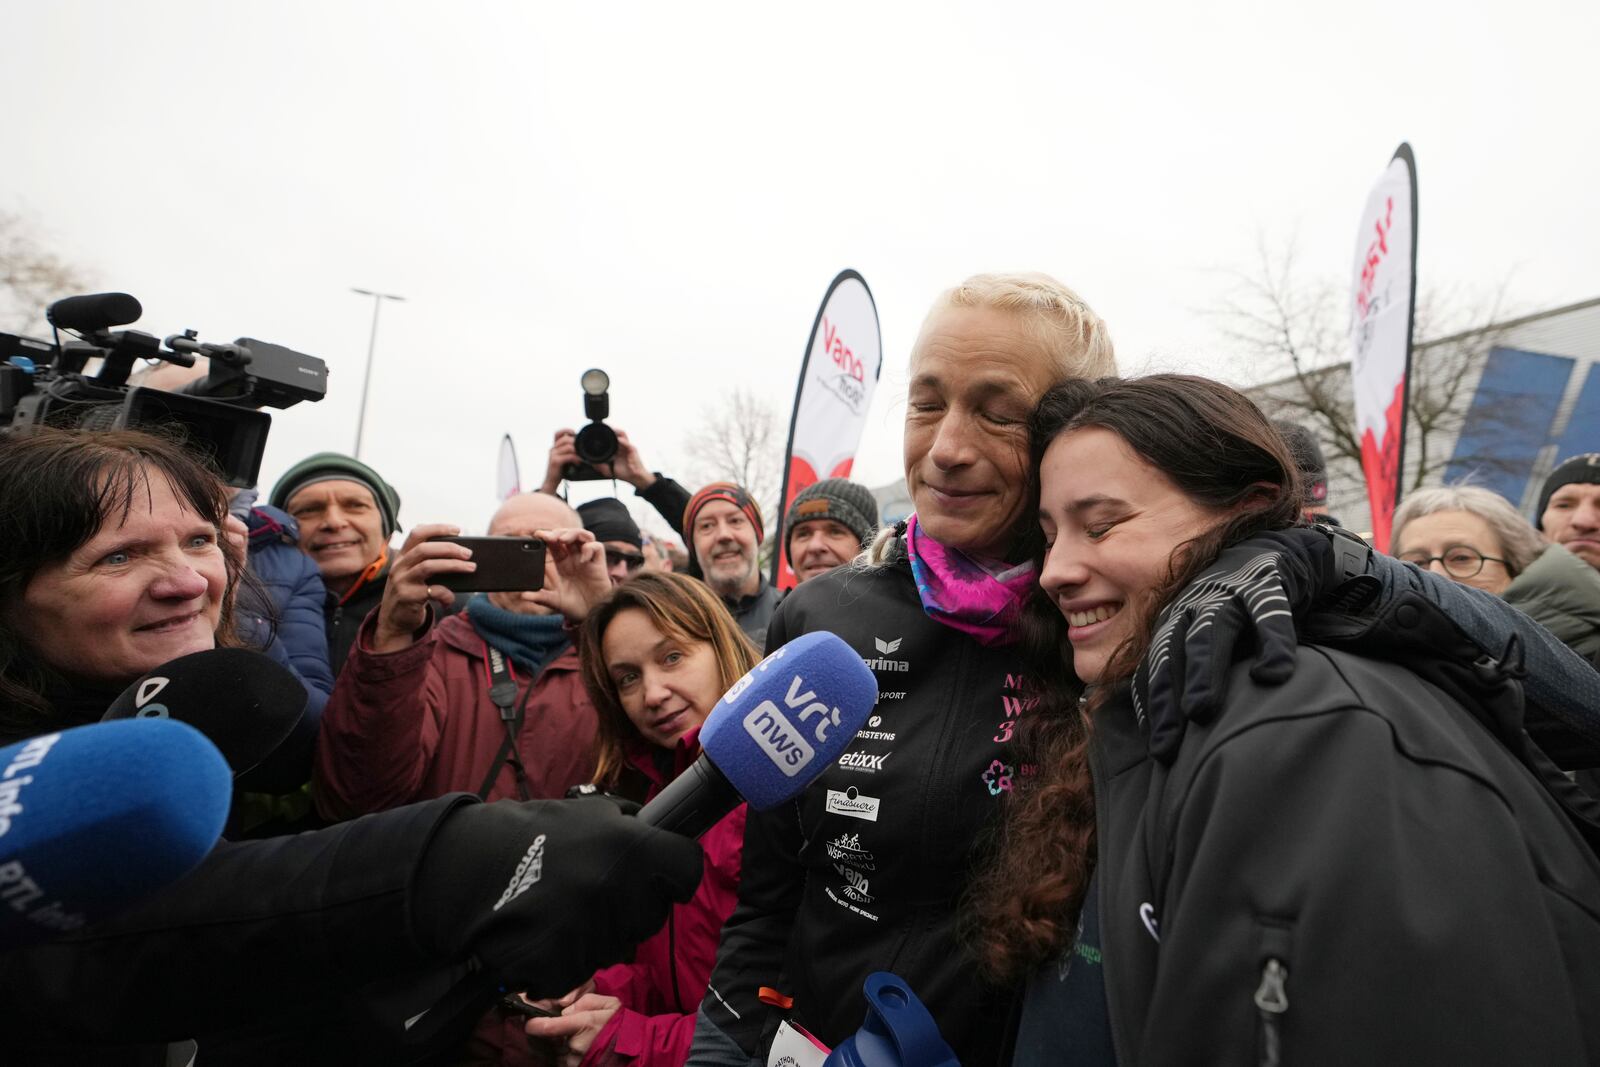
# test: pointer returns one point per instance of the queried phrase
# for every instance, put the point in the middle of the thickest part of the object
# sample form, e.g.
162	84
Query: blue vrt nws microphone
96	818
771	735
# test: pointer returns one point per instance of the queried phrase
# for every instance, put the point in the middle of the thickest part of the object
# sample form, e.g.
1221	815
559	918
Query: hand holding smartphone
504	565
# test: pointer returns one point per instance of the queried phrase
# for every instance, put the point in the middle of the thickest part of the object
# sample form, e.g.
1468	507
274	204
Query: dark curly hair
1222	452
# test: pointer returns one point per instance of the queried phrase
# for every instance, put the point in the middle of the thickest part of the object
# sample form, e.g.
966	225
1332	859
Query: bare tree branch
738	440
31	276
1291	329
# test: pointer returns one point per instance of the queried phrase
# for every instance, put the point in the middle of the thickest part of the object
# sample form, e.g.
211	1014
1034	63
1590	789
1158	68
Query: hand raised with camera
628	467
411	587
563	450
575	577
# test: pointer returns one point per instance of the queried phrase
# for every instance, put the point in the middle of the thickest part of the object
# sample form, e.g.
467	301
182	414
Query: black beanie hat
1583	469
335	466
608	519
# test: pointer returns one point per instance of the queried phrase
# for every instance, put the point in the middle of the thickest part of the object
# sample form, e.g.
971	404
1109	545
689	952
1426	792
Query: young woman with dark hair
1347	867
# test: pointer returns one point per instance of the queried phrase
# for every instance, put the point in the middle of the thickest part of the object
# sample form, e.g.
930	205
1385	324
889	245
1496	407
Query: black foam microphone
244	702
95	311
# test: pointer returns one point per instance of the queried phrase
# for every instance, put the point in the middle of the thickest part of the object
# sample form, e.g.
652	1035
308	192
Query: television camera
49	383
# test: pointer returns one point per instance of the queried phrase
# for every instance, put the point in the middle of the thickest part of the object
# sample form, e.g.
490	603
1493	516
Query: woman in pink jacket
657	656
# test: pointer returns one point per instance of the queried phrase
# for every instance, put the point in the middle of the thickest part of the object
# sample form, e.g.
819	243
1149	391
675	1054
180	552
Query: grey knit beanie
848	503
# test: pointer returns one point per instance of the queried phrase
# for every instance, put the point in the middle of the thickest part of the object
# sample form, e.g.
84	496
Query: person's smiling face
341	528
1112	523
144	590
976	375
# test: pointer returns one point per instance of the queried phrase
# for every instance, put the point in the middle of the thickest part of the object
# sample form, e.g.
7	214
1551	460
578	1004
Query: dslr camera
596	443
45	383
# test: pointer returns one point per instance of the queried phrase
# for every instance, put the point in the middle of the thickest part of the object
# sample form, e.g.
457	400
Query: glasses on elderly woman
632	559
1459	562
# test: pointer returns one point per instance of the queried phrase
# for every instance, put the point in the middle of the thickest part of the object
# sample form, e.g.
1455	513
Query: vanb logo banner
843	358
1382	304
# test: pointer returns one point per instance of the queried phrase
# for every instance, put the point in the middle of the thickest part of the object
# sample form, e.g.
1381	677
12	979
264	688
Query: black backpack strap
503	693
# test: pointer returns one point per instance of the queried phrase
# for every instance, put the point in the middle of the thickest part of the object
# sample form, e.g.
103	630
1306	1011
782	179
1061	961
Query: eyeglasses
1459	562
632	560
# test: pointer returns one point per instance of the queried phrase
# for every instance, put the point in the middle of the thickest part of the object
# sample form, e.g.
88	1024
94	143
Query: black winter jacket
235	943
866	870
1344	869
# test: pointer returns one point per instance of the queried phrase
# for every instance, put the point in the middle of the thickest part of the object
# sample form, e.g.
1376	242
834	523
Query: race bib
793	1047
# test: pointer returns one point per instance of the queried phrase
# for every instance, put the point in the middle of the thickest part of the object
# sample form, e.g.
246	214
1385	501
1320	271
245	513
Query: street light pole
372	344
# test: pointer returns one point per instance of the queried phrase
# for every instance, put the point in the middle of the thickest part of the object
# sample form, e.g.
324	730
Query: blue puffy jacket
298	636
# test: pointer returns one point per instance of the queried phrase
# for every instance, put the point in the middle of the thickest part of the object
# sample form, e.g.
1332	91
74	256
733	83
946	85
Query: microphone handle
693	802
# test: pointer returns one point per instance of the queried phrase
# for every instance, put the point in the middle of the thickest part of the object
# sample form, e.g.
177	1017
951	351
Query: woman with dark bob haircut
1344	868
114	564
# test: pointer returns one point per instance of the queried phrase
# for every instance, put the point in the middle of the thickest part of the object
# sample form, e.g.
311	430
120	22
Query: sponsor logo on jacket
885	649
865	762
846	851
527	874
853	803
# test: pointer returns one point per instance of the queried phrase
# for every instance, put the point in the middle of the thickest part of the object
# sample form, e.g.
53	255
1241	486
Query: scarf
530	641
976	596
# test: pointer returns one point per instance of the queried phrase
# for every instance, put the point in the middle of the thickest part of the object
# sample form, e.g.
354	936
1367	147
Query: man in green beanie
346	513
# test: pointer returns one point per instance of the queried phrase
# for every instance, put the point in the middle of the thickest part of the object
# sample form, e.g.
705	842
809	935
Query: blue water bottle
898	1031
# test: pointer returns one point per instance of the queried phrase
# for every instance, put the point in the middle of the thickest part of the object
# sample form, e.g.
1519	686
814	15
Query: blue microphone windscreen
780	726
94	818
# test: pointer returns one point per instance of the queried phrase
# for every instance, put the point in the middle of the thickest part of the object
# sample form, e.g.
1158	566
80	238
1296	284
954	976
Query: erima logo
528	872
863	761
885	648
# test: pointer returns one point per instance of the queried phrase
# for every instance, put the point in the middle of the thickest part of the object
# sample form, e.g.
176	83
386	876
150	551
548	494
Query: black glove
1250	597
545	892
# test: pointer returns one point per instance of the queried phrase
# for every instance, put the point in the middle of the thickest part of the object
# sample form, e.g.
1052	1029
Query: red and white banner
1383	300
840	371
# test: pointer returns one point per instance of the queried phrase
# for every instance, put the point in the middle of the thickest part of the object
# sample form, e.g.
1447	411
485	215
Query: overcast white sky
664	190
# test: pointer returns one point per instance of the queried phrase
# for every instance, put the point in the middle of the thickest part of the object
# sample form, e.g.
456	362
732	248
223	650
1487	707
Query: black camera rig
46	383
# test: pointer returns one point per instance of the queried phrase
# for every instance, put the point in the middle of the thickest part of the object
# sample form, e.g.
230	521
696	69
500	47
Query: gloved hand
1249	597
545	892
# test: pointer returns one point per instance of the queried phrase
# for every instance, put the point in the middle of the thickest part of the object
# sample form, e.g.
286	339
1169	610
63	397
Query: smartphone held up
504	565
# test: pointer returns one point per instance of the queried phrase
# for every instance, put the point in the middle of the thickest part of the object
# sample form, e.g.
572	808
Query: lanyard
502	693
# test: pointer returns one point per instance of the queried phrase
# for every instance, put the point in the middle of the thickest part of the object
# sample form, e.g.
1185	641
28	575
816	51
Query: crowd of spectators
1339	824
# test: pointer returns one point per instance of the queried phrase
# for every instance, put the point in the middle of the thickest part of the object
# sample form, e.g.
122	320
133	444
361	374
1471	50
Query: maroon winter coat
415	724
